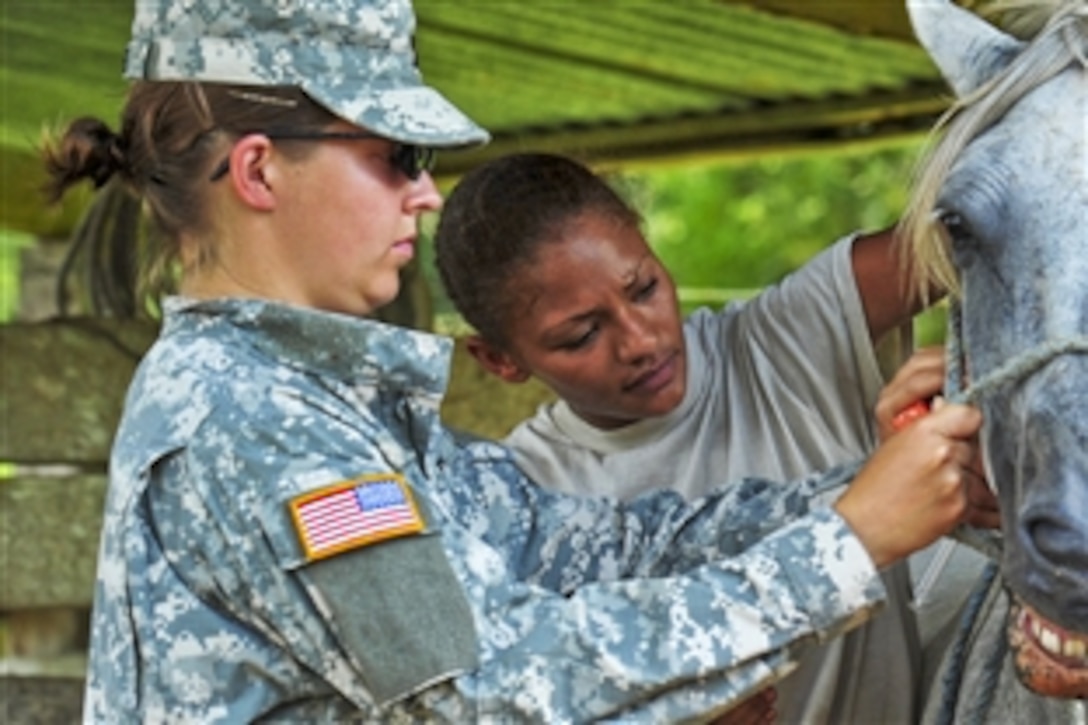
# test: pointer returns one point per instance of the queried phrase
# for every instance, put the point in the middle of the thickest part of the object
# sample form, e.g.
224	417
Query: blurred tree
744	226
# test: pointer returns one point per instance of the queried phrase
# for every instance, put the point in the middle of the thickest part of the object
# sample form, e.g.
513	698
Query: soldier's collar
352	349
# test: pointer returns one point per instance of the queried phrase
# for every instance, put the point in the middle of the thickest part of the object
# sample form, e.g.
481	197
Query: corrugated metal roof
612	80
620	80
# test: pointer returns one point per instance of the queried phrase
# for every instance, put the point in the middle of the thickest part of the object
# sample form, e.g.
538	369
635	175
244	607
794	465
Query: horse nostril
1059	543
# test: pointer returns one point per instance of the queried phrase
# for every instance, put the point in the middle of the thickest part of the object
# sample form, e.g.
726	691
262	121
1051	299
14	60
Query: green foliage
11	243
747	226
725	229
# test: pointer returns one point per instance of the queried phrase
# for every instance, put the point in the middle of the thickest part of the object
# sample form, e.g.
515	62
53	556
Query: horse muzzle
1042	475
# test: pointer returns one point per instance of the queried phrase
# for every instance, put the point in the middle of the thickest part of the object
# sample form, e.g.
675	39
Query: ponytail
171	136
88	149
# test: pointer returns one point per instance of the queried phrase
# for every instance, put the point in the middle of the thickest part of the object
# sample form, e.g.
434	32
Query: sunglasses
409	159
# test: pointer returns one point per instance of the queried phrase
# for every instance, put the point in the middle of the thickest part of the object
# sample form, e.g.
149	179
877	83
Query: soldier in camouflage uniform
290	532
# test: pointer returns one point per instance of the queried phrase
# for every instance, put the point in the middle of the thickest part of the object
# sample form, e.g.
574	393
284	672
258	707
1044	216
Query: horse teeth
1051	642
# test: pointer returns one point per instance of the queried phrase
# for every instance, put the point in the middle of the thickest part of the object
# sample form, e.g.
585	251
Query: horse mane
1023	19
1057	35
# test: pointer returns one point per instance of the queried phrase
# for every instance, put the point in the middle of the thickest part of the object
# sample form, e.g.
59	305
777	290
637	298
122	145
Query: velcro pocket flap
398	608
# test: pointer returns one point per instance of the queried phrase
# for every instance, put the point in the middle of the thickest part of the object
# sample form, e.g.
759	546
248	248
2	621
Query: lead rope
988	542
953	676
955	375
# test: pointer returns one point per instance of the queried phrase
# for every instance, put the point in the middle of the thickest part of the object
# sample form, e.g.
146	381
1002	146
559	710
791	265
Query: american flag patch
354	513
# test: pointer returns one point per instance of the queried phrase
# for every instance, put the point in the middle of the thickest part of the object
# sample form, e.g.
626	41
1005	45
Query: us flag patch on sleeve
354	513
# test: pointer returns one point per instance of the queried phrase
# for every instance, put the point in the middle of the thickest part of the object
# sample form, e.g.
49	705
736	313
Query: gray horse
1000	216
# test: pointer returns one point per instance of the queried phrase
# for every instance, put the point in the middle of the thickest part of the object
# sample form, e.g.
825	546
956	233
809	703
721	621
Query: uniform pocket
398	608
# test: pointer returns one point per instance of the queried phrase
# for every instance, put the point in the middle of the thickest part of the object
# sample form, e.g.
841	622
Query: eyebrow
631	282
636	272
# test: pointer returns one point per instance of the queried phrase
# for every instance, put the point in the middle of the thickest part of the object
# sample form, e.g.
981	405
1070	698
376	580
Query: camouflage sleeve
559	542
610	621
659	649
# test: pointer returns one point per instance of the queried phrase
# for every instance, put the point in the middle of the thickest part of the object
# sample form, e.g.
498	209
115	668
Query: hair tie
110	156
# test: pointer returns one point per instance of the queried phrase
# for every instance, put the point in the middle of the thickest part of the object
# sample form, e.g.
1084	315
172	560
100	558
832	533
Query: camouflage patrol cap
355	57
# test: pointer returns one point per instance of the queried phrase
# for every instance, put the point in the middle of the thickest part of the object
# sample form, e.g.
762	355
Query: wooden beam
62	386
41	699
50	540
759	130
879	18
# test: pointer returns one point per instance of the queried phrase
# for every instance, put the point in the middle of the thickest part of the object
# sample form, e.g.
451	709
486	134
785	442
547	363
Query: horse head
1000	216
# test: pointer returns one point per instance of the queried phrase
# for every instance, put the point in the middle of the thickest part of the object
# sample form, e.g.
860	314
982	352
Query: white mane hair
1021	18
1057	36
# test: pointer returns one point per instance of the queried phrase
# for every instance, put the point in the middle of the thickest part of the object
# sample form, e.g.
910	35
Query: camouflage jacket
228	592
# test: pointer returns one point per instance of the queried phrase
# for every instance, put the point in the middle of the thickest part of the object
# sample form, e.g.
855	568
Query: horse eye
954	224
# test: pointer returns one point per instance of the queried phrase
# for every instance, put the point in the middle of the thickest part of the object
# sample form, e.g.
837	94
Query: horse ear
967	49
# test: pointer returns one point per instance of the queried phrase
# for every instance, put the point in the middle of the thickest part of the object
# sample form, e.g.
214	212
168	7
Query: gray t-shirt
779	386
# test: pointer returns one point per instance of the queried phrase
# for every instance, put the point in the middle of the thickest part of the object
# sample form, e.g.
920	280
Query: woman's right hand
913	489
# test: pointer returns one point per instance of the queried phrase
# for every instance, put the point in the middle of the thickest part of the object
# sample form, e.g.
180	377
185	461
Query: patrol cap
355	57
